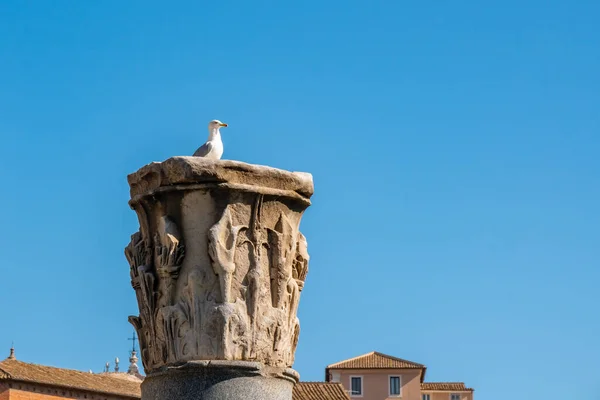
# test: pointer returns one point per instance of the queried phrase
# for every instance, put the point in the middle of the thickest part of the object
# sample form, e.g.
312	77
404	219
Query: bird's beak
223	125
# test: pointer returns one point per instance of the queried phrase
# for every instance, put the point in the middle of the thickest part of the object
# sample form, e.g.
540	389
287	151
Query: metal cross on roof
133	339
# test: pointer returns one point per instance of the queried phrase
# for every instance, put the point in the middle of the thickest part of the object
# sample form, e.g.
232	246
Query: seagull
213	148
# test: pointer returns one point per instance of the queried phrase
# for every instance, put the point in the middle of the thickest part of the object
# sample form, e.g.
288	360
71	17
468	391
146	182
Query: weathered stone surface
198	170
219	262
220	380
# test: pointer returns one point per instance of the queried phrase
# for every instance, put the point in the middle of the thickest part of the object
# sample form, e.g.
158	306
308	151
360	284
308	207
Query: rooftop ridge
351	359
410	364
42	366
397	358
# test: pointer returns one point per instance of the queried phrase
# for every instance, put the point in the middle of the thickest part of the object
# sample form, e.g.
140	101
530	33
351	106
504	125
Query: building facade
377	376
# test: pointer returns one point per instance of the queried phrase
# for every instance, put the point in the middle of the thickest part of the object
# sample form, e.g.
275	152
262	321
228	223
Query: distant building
25	381
372	376
20	381
377	376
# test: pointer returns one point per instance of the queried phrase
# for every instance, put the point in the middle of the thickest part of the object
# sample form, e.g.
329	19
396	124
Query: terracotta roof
446	386
375	360
100	383
319	391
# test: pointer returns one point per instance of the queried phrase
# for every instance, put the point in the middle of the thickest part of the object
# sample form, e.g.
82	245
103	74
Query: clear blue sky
455	148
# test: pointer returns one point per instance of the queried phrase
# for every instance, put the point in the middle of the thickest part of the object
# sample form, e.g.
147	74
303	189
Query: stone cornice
184	171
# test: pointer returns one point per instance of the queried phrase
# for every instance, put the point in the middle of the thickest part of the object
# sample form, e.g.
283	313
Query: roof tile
319	391
446	386
375	360
67	378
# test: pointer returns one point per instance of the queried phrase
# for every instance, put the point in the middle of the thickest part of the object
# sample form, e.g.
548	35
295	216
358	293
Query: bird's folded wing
204	150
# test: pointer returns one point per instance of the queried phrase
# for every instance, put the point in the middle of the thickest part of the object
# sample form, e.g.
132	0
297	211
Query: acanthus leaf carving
283	246
235	299
169	253
192	309
139	256
295	337
222	244
300	269
174	326
160	323
258	242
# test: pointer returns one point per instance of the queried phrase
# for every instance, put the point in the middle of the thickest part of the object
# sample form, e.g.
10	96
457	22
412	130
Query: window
455	396
394	386
356	385
426	397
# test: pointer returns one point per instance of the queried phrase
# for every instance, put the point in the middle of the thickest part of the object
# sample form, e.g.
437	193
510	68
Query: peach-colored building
377	376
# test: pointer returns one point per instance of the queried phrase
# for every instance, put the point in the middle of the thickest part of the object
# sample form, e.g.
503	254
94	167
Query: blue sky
454	147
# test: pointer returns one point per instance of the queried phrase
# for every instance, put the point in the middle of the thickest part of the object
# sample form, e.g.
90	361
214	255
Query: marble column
217	267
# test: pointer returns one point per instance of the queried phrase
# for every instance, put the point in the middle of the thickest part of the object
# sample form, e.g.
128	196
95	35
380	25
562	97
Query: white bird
213	148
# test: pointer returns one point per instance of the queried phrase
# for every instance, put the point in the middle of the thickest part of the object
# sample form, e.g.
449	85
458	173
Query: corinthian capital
219	262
